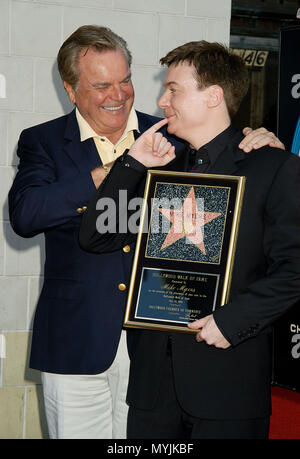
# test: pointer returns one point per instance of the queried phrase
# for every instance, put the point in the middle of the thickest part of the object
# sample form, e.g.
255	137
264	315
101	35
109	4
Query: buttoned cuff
128	161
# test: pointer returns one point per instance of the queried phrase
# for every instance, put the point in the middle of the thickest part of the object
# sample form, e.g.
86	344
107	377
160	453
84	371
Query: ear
215	96
70	91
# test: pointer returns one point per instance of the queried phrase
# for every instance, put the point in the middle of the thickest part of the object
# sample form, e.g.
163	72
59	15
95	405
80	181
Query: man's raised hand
152	149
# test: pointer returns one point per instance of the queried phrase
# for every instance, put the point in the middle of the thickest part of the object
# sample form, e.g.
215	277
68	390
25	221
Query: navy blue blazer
80	311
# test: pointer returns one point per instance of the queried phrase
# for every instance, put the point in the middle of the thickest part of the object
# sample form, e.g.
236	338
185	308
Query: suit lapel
230	158
83	154
228	161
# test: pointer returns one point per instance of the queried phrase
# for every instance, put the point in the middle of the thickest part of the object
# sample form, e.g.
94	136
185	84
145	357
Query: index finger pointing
157	126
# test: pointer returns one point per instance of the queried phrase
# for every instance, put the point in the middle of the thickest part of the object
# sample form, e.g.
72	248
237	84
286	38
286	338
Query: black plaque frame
170	288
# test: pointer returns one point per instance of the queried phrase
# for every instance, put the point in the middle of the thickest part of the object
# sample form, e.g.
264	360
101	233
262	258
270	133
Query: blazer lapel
229	159
228	162
83	154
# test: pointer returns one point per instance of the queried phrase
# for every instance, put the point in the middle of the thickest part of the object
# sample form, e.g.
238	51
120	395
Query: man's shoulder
47	127
264	164
272	154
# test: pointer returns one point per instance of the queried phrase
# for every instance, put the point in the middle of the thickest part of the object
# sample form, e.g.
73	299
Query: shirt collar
86	131
219	143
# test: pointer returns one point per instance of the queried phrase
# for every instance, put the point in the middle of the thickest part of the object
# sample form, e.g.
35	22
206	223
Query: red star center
187	222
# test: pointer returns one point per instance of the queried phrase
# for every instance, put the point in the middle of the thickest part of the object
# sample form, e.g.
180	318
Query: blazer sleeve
266	299
105	224
39	199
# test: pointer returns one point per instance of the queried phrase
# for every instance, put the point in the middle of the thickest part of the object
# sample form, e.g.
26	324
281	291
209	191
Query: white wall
31	32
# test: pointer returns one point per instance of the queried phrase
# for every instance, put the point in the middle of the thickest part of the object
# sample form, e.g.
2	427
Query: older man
78	342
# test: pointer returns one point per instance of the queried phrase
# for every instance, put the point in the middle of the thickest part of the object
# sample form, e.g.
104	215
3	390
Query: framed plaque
185	249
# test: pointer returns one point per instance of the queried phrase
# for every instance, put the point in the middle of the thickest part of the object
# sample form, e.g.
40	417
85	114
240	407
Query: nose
163	101
117	93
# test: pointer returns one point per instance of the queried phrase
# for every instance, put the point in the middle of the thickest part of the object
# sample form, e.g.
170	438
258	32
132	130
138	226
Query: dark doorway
254	35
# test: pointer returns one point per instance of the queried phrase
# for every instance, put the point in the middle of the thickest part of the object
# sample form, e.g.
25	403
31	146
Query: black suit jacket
233	383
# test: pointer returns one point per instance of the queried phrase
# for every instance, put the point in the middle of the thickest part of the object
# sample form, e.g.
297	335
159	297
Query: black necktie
198	160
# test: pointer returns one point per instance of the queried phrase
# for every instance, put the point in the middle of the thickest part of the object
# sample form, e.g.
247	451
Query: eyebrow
169	83
127	77
106	83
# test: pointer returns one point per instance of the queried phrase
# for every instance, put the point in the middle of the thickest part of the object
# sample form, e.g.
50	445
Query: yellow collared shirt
108	151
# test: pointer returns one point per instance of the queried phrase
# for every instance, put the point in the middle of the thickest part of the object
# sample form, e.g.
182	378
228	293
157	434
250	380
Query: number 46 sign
252	57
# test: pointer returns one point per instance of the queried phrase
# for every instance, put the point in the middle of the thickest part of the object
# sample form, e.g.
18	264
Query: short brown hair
97	37
214	64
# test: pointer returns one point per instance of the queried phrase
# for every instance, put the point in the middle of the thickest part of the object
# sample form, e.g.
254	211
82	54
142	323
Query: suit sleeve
104	226
39	199
266	299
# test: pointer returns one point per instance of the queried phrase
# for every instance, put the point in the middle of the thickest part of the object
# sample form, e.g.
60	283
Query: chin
173	131
170	129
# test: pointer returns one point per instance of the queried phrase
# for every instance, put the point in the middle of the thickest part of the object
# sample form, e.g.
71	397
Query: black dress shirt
203	160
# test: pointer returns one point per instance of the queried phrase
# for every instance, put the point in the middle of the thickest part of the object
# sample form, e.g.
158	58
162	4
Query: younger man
217	385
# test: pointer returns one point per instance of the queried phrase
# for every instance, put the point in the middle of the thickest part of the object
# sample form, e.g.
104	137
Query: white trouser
89	406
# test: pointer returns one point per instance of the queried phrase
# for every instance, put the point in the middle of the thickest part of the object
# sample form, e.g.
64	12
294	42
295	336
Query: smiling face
104	94
183	103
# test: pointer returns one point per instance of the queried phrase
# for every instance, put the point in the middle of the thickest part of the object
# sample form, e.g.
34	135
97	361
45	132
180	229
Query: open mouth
113	109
